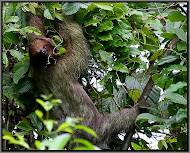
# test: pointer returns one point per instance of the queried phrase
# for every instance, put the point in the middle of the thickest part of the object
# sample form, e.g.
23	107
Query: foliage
46	130
130	42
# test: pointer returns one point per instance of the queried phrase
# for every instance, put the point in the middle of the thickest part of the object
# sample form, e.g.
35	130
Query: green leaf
24	85
46	105
181	34
120	67
90	22
106	57
181	46
39	113
70	8
150	117
86	129
135	146
49	124
19	55
58	143
156	54
181	114
105	37
59	16
118	12
32	9
177	98
10	37
176	67
104	6
175	87
135	94
88	144
12	140
105	26
175	16
144	38
8	92
21	71
47	97
61	51
105	79
34	4
41	102
37	144
30	29
22	125
162	143
37	124
72	121
64	127
57	6
48	15
168	35
5	60
6	78
167	59
12	19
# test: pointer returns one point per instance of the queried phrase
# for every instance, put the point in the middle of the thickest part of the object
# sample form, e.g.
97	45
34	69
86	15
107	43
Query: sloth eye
45	47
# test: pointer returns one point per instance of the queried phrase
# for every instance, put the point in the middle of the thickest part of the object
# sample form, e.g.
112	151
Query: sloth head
42	52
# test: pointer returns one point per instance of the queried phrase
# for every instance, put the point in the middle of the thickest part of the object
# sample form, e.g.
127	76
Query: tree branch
128	137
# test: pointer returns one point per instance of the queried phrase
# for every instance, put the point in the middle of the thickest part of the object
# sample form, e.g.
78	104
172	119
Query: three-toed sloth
60	79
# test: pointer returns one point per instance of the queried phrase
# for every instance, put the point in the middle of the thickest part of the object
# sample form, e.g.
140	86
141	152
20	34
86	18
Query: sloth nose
44	51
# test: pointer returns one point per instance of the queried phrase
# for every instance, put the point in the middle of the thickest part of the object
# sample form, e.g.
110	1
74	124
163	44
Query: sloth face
41	53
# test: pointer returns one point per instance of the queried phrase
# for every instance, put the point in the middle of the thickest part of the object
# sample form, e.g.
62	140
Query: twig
160	13
182	9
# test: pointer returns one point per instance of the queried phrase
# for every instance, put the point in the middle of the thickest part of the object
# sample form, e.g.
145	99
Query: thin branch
159	12
182	9
128	137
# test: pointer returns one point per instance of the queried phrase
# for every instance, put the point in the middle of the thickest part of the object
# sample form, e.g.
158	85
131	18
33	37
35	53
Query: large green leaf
88	130
168	35
49	124
105	6
12	19
181	114
175	87
70	8
5	60
58	143
48	15
177	98
149	117
162	143
181	34
90	22
12	140
167	59
105	26
176	16
19	55
105	37
8	92
88	144
35	121
21	71
120	67
107	57
24	85
22	125
181	46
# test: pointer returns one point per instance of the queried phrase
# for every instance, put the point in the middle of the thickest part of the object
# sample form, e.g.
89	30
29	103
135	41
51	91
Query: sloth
60	78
